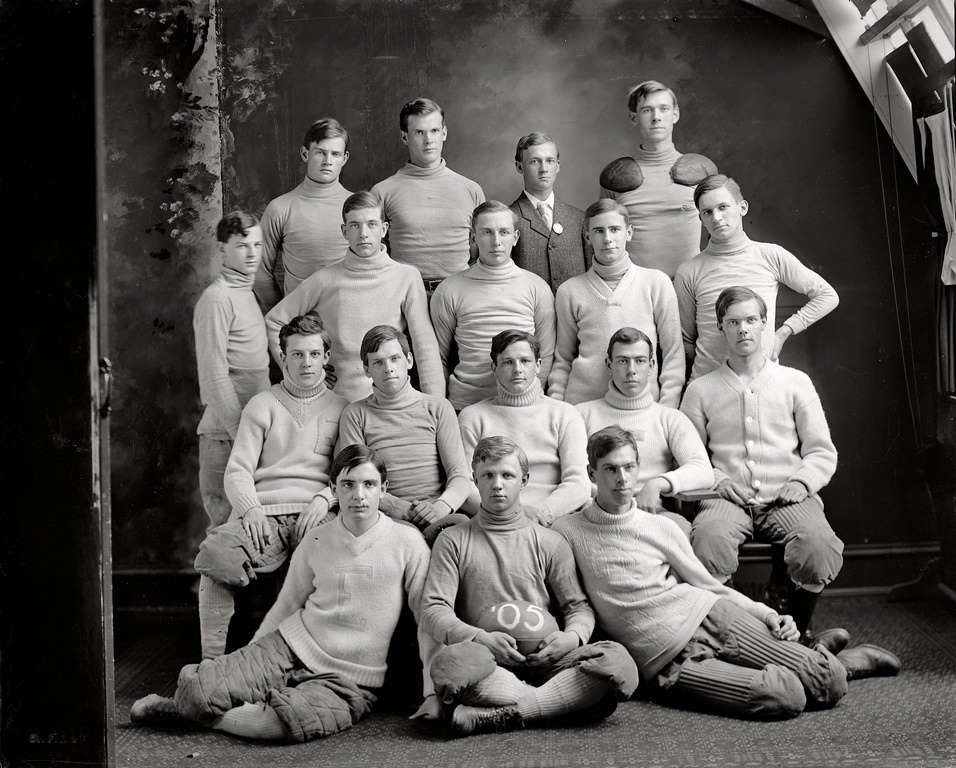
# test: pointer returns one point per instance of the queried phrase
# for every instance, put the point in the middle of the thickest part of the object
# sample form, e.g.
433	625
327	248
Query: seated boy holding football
506	662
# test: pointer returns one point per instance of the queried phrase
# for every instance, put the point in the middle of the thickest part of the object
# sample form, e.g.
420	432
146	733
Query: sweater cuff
583	633
811	479
794	324
247	501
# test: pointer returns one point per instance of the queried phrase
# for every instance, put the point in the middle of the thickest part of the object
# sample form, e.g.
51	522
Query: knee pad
690	169
814	558
622	175
823	677
776	693
455	667
223	557
609	661
714	548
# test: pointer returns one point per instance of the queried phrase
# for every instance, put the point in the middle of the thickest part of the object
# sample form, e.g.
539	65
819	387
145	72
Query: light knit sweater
662	213
550	432
417	437
301	231
648	588
668	446
343	595
231	352
500	558
469	309
283	450
353	296
759	266
765	433
588	314
429	215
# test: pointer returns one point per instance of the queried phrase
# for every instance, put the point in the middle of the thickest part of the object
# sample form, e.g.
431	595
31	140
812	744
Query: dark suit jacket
549	255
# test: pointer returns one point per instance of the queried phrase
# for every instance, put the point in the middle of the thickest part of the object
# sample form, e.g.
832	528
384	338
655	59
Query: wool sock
216	606
500	688
252	721
568	691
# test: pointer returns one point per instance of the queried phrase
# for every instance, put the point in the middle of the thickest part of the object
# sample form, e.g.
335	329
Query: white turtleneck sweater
668	445
662	213
283	450
429	214
417	437
353	296
549	431
301	231
469	309
759	266
231	352
589	312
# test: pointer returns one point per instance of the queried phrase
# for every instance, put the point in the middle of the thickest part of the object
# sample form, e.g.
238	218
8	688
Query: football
526	622
621	175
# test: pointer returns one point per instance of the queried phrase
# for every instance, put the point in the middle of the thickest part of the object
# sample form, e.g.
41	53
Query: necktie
545	213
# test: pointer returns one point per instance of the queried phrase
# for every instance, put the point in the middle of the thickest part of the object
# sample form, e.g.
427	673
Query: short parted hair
363	199
734	295
511	336
533	139
309	324
325	128
628	335
353	455
602	442
605	205
418	107
642	90
375	337
235	223
492	206
497	447
716	181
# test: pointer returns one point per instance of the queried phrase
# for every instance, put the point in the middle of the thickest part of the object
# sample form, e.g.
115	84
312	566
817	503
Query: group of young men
545	483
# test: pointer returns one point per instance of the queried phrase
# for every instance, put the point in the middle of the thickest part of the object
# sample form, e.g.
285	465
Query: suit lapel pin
558	229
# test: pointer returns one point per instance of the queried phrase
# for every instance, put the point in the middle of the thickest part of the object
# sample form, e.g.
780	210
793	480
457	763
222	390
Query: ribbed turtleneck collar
356	263
657	157
613	272
528	397
235	279
405	397
310	188
500	272
410	169
596	514
737	244
302	393
510	521
622	402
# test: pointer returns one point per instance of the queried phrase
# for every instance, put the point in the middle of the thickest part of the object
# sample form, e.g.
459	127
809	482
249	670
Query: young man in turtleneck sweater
699	642
416	435
367	288
493	294
673	458
232	356
427	204
553	431
301	228
614	292
666	228
501	555
731	258
277	478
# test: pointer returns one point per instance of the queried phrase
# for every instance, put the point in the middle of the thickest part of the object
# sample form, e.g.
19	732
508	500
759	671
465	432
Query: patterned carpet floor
909	720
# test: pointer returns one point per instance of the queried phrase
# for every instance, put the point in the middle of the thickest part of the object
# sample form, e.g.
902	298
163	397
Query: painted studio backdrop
207	102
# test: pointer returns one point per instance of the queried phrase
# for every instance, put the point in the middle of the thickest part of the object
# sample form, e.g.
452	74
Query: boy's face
495	236
243	252
364	229
359	491
608	234
388	367
516	367
539	167
616	478
631	366
304	360
425	138
655	118
324	159
742	326
721	214
500	482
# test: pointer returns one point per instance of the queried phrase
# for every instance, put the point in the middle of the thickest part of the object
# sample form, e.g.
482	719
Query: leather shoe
834	639
868	661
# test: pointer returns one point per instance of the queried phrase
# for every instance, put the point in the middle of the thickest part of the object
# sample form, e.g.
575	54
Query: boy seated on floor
312	667
416	435
503	556
703	644
366	288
